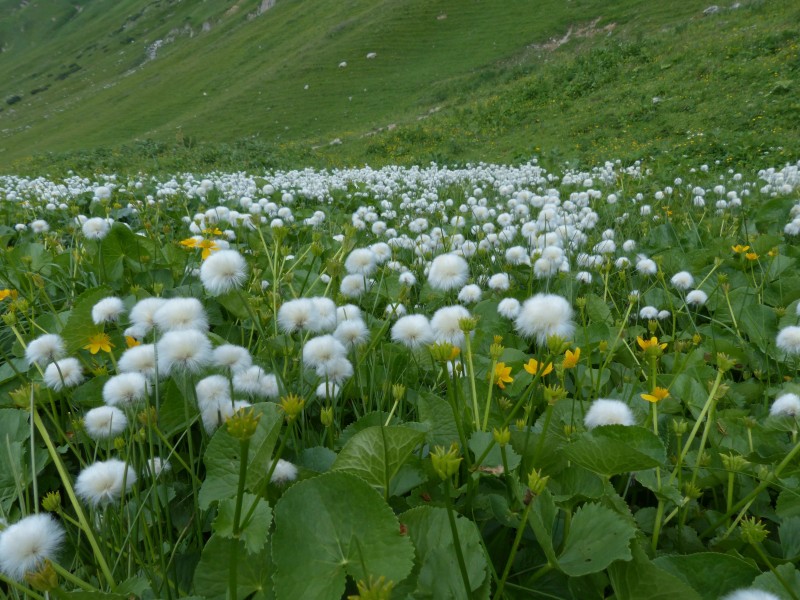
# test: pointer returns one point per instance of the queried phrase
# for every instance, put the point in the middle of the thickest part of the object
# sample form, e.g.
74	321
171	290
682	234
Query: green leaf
254	532
222	457
437	573
541	518
614	449
597	537
480	440
788	504
759	323
252	575
377	453
80	326
332	526
597	310
437	417
769	583
640	579
711	574
789	532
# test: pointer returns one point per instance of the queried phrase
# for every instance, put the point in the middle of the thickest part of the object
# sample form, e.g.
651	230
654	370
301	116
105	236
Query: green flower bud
446	462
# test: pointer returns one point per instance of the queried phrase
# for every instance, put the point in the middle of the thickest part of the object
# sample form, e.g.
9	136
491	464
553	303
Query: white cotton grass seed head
509	308
324	315
95	228
104	422
361	261
337	370
107	310
248	381
544	315
608	412
321	350
284	472
696	298
750	594
648	313
327	390
184	350
230	356
25	545
413	331
296	315
647	266
142	313
352	333
348	312
212	390
125	389
788	339
395	310
682	280
469	294
181	314
353	286
448	272
104	482
446	327
45	349
223	271
156	466
63	373
139	359
786	405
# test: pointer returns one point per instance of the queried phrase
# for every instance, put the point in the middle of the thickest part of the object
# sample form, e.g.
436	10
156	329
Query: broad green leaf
81	595
597	310
711	574
640	579
223	452
318	459
597	537
253	532
541	518
121	248
576	483
788	504
253	574
437	417
614	449
758	323
332	526
80	327
769	583
437	573
789	532
377	453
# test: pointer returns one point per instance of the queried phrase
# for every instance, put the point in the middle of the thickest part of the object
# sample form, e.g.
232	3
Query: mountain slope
194	74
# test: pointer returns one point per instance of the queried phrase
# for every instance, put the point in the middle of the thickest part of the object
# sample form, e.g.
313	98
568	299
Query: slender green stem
763	555
65	480
456	543
471	374
512	555
244	451
489	396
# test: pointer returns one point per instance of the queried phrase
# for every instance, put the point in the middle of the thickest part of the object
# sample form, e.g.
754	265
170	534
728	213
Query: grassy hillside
230	83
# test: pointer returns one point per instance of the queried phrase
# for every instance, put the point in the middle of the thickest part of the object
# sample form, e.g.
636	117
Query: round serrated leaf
437	572
597	537
332	526
614	449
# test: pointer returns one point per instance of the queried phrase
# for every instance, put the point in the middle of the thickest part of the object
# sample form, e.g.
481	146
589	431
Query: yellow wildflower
571	358
13	294
533	367
739	249
657	395
98	342
751	256
502	375
651	346
132	341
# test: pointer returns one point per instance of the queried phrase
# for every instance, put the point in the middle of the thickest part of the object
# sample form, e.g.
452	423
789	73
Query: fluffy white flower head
125	389
788	339
143	311
296	315
223	271
107	310
696	298
446	327
63	373
104	482
786	404
183	351
284	472
26	544
448	272
139	359
96	228
104	422
181	314
544	315
750	594
361	261
682	280
608	412
45	349
413	331
230	356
